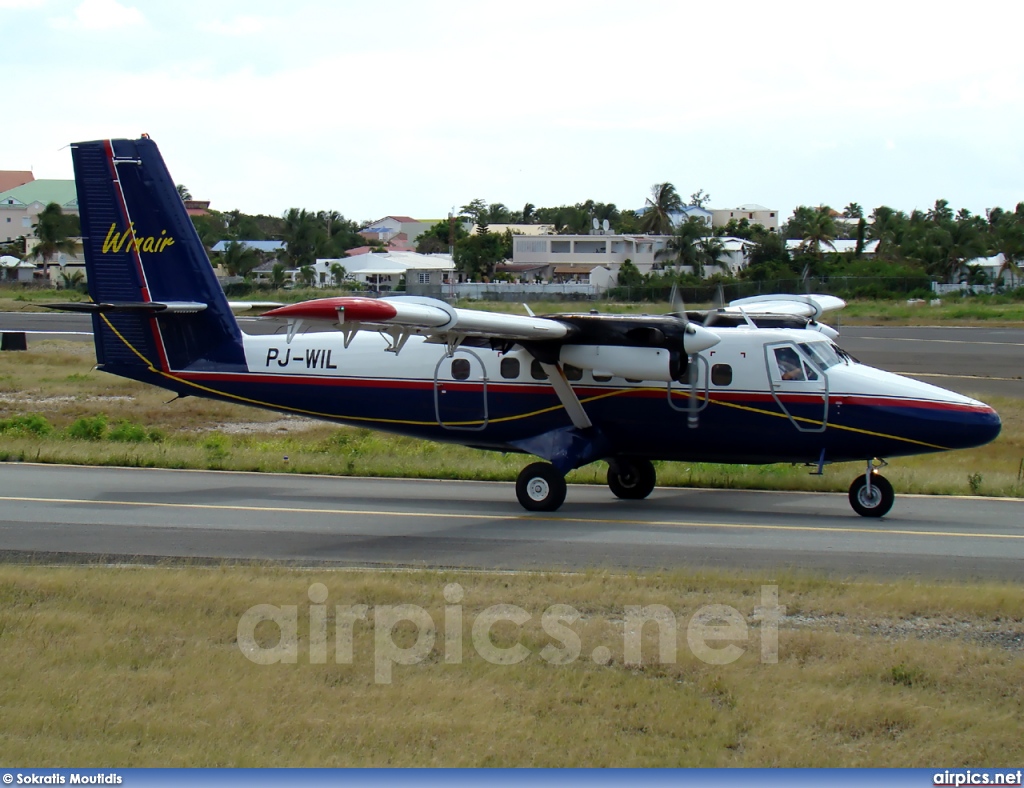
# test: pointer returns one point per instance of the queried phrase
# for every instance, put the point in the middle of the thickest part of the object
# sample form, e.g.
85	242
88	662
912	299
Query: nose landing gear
871	495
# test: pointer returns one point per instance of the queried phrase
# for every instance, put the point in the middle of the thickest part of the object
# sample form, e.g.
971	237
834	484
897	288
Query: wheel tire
540	487
878	503
631	479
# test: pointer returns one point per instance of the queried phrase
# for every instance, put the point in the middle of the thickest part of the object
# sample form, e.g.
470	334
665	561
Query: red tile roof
10	179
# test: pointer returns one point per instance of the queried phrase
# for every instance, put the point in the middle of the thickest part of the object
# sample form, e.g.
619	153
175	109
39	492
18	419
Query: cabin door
460	391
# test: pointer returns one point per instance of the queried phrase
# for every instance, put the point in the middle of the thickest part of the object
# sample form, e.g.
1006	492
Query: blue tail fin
158	302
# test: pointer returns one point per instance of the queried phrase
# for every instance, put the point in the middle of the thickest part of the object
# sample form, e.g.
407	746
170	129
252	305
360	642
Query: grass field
99	419
142	667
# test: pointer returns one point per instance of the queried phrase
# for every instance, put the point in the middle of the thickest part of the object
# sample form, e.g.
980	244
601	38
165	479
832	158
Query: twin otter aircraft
760	381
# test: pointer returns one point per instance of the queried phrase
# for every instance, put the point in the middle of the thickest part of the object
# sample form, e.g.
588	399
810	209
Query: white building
839	246
752	212
384	271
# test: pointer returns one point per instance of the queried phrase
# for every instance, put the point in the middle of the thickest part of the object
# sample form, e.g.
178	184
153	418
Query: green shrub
126	432
89	428
32	424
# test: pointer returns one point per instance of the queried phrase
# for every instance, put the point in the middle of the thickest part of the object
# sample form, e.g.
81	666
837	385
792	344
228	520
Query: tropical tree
54	231
681	248
700	198
183	192
888	227
474	209
441	236
306	235
277	276
817	230
853	211
239	259
338	273
476	255
1007	233
73	280
709	254
664	200
307	275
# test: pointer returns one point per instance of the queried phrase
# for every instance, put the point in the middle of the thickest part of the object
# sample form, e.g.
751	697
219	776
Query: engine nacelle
635	363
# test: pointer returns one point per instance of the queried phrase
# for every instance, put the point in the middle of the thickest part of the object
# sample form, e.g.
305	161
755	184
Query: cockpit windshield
823	353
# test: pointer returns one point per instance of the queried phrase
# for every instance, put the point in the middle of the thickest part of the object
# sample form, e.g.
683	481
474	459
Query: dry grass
140	667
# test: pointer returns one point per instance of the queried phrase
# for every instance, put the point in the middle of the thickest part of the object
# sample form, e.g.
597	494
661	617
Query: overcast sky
412	108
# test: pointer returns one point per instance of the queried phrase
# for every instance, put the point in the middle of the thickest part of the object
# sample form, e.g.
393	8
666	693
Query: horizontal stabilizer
137	307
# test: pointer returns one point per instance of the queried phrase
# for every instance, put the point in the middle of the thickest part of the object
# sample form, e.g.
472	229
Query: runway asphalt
975	361
60	513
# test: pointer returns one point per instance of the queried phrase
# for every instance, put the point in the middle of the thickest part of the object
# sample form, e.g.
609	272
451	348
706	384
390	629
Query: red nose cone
356	309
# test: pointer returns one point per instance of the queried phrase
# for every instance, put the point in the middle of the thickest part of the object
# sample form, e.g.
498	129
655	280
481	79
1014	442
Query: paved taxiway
976	361
314	520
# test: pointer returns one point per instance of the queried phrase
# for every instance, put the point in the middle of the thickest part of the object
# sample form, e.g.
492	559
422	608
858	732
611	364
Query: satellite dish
605	225
595	223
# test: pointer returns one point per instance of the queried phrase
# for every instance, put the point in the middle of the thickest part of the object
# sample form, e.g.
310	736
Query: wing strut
567	396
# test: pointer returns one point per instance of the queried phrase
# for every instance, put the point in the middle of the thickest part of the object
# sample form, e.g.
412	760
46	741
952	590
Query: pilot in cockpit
790	367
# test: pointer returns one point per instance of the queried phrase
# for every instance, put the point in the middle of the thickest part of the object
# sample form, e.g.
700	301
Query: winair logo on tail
127	241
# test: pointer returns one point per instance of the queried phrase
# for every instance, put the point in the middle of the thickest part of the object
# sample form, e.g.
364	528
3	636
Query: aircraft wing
402	317
812	306
423	316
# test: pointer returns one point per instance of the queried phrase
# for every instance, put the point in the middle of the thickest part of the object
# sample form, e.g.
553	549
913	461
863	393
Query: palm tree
277	276
664	200
1008	240
338	273
819	231
307	274
51	229
73	280
183	192
709	254
239	259
682	246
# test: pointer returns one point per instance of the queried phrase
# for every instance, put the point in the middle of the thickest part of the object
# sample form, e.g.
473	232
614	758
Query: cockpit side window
822	353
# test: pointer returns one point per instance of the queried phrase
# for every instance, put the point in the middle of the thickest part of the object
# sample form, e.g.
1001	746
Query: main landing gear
541	488
631	479
871	495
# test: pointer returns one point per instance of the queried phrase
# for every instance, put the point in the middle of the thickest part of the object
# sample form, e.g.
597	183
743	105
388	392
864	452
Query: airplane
758	381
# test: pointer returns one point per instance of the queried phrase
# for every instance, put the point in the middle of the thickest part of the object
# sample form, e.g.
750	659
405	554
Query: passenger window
572	373
460	368
537	371
510	367
721	374
598	378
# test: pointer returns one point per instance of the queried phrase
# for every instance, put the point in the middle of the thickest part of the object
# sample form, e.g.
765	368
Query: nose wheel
540	487
871	495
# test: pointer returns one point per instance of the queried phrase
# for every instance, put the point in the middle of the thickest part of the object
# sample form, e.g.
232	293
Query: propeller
695	339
